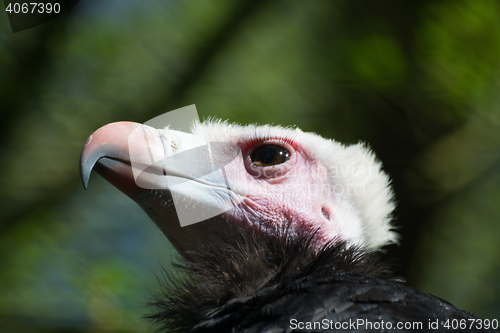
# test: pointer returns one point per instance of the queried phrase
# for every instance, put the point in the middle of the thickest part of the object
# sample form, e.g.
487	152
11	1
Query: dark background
418	80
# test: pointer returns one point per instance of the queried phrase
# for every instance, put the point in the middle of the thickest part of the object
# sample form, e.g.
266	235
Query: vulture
277	230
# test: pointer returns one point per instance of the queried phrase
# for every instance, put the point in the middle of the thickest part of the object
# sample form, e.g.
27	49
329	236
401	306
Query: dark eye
269	155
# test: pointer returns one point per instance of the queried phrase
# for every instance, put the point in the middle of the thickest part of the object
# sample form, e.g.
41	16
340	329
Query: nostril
325	213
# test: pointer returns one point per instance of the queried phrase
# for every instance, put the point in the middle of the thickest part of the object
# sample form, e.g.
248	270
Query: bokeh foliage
417	80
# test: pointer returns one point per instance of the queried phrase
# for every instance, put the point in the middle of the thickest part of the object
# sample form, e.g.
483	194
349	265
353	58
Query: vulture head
259	178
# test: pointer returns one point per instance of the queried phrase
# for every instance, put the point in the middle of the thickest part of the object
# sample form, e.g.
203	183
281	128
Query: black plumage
248	282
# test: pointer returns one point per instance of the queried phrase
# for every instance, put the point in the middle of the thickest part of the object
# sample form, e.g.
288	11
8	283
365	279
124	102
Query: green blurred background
418	80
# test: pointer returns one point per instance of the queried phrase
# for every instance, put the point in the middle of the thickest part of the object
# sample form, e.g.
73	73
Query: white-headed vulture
281	230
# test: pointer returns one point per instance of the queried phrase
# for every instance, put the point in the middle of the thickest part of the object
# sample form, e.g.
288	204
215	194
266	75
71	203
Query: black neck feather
240	271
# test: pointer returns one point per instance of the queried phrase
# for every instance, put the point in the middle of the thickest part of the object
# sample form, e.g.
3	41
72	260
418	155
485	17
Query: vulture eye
269	155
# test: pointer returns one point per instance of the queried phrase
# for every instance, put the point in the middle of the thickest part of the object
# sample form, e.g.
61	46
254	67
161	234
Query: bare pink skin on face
294	194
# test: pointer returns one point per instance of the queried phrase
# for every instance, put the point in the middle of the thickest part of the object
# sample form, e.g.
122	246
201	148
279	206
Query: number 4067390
33	7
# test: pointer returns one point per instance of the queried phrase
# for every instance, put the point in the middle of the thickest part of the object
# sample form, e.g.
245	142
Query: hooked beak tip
86	166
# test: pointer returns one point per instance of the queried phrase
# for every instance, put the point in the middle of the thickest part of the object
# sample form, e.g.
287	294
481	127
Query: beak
139	159
110	150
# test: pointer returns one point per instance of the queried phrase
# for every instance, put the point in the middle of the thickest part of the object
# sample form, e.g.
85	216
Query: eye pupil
270	155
